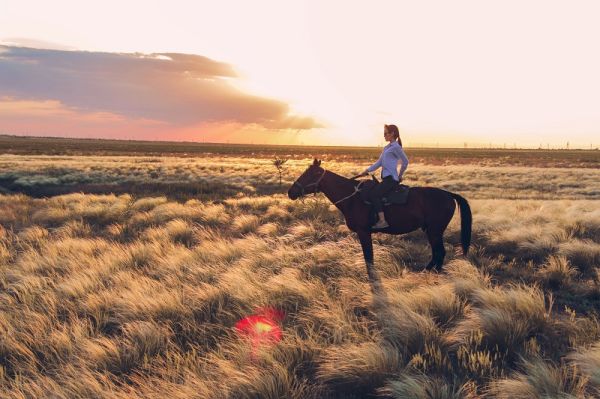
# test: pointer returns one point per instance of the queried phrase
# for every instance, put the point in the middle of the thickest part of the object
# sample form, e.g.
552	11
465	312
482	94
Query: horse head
308	182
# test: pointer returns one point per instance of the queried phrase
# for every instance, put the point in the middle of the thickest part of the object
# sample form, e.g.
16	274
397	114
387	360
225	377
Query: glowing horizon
509	73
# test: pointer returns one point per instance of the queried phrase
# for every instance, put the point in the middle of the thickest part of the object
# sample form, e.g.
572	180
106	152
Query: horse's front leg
367	247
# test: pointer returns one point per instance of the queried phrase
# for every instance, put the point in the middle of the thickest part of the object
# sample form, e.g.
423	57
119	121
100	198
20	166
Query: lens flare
261	328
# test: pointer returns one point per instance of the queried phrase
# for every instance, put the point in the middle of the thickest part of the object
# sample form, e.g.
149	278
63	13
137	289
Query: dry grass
424	387
588	360
124	296
539	379
213	177
557	272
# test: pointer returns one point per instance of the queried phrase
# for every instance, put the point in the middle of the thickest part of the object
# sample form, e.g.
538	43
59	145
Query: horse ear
316	162
319	162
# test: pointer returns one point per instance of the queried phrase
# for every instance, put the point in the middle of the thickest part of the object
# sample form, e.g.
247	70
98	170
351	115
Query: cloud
51	118
180	90
35	43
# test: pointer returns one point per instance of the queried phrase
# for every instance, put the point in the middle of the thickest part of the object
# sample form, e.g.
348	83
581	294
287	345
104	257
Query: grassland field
491	156
124	269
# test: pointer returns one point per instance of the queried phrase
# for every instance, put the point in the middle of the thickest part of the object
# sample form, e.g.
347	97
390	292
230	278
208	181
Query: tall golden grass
212	176
121	296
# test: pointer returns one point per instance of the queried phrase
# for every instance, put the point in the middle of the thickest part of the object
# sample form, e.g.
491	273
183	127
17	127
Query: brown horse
427	208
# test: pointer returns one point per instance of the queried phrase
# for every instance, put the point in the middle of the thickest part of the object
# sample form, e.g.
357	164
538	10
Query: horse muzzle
294	193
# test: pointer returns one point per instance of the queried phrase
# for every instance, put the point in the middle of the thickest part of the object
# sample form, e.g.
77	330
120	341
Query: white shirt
388	161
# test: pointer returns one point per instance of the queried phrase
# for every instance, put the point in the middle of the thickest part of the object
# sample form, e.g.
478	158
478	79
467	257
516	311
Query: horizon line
465	145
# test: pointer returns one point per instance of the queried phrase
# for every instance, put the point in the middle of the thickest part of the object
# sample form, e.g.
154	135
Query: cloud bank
172	90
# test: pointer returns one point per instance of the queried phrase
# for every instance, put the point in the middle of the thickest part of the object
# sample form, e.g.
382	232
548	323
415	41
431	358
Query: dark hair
394	129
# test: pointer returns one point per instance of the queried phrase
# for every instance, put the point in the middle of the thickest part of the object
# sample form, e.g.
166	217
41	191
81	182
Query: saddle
397	196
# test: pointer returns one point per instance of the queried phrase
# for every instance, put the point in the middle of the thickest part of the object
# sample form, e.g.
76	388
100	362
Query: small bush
359	369
245	224
557	272
588	361
506	318
424	387
539	380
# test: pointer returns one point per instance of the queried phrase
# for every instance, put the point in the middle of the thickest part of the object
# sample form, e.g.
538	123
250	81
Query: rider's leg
377	205
378	192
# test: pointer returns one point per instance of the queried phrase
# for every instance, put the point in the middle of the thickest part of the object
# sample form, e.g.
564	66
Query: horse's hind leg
438	253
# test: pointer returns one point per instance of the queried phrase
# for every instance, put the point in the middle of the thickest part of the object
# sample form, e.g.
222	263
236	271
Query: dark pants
387	184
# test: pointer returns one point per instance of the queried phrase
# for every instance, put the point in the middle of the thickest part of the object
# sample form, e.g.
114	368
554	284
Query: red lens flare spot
262	327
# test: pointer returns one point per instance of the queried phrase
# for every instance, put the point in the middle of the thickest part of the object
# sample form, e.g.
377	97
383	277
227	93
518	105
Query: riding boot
381	224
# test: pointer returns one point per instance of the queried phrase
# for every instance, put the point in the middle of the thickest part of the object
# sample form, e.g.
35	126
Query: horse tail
466	220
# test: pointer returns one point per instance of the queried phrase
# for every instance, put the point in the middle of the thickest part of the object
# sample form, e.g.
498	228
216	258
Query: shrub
358	369
245	224
557	272
424	387
588	360
507	318
539	380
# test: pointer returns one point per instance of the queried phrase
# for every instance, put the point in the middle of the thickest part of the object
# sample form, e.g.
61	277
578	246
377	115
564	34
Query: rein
356	190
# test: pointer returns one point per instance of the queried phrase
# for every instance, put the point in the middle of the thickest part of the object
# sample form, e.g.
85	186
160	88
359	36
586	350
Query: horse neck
336	187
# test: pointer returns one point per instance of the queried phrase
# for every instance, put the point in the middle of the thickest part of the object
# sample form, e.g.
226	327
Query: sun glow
445	73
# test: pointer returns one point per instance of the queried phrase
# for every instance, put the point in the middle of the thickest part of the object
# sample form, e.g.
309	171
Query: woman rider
388	161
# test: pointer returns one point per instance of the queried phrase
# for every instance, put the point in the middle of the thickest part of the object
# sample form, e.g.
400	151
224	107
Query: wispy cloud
34	43
180	90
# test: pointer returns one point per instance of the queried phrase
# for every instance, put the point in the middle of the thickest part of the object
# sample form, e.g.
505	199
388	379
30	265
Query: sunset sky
522	73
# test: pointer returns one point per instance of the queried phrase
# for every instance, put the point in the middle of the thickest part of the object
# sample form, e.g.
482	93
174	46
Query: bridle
303	188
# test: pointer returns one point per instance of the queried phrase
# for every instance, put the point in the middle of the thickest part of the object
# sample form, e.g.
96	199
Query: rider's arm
375	166
403	158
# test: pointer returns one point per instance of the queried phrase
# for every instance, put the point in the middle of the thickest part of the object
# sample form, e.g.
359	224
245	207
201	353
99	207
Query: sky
501	73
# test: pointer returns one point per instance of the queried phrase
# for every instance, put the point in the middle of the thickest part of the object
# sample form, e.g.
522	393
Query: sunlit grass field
136	294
